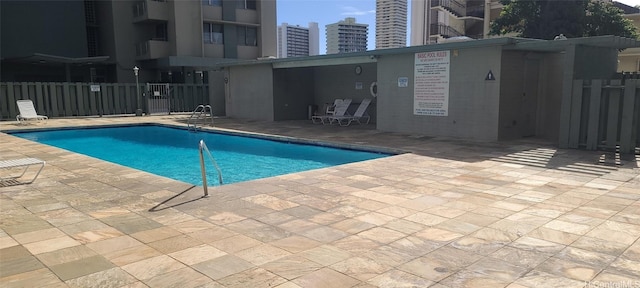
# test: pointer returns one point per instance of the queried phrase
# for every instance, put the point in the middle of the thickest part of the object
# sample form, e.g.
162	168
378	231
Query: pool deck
451	213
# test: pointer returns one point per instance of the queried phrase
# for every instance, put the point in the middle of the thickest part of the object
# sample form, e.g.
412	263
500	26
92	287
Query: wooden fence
77	99
605	115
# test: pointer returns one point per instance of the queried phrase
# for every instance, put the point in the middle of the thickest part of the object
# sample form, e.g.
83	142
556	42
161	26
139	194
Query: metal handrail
201	109
452	5
444	30
203	147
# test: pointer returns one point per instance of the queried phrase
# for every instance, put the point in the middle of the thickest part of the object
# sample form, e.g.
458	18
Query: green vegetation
545	19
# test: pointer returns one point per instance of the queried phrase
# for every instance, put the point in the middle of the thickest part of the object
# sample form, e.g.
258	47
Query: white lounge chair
331	109
12	178
359	114
340	109
28	112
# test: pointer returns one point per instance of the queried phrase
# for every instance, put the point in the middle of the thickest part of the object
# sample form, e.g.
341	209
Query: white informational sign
95	88
431	83
403	81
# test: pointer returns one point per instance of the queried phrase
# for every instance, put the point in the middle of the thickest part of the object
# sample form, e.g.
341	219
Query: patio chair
28	112
23	163
340	109
361	113
331	109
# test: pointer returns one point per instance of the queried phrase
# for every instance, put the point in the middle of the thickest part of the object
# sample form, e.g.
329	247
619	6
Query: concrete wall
214	50
595	63
333	82
47	27
185	28
511	89
216	92
250	92
211	12
523	74
629	60
24	72
551	96
267	37
473	102
121	40
293	92
248	52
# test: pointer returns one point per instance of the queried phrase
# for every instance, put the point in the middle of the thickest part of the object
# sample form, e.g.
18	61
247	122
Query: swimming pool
173	152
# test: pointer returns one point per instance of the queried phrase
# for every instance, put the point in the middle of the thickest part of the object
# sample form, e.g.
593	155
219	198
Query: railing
199	112
444	30
142	48
152	49
143	9
452	6
475	11
65	99
139	8
203	147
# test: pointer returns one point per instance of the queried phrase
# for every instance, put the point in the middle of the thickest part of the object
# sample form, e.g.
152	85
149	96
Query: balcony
152	49
150	10
453	6
475	11
444	30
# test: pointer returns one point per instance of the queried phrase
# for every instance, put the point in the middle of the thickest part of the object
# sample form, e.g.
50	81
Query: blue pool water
173	152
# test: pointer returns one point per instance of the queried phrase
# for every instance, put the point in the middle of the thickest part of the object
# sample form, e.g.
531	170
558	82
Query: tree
545	19
606	19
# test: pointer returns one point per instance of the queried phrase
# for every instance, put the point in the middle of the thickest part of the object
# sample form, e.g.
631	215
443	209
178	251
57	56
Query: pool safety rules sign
431	83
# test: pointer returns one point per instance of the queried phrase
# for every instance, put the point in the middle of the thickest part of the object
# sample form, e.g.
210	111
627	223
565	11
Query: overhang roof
53	59
190	61
614	42
507	43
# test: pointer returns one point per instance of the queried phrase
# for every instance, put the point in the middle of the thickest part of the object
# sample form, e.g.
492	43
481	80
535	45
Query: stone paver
448	213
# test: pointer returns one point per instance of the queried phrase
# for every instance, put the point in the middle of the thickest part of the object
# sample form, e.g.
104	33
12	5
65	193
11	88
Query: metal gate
158	98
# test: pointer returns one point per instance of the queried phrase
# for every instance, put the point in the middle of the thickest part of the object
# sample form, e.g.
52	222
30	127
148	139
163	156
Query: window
212	2
246	4
212	33
247	36
161	33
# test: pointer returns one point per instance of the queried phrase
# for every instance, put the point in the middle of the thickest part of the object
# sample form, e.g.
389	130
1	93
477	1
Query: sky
301	12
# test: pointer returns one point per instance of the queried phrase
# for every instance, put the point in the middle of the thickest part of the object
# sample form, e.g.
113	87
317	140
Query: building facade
346	36
168	40
435	20
297	41
391	24
515	88
629	59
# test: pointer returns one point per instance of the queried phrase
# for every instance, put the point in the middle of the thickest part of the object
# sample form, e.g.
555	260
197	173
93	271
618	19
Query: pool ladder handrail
199	111
203	147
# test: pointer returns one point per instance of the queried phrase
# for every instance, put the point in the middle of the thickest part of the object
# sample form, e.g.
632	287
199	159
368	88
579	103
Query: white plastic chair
28	112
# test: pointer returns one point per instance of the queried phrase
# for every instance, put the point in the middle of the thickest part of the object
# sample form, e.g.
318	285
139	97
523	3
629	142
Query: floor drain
441	269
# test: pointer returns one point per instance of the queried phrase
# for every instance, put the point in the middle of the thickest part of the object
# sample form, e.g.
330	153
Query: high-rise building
435	20
391	24
101	41
296	41
346	36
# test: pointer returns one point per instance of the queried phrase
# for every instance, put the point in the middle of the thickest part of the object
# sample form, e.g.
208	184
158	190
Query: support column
567	91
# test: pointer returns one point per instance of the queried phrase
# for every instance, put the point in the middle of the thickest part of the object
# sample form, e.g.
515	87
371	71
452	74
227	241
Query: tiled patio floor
449	214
